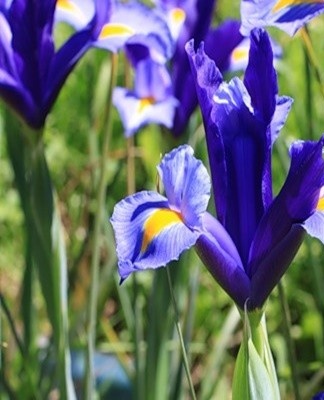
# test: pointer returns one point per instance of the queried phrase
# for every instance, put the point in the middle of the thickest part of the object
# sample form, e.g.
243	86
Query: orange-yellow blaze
111	29
144	103
280	4
320	204
156	222
239	54
66	5
178	15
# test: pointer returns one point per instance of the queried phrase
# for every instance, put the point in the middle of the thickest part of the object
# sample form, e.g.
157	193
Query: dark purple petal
274	265
241	138
62	64
260	76
218	253
207	79
196	25
220	42
31	23
296	202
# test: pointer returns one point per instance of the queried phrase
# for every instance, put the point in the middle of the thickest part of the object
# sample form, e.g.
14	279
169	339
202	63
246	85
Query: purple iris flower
256	236
32	72
288	15
151	100
194	19
127	23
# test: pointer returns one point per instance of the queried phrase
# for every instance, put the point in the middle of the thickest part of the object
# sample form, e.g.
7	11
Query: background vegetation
136	321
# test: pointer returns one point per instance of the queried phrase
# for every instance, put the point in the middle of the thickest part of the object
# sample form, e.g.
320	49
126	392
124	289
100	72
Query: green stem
94	283
11	322
182	344
289	341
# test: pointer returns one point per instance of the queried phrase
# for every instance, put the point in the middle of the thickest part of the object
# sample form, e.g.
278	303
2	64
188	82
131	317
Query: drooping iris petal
288	15
136	23
137	112
271	268
187	189
295	204
220	256
149	230
148	233
77	13
151	101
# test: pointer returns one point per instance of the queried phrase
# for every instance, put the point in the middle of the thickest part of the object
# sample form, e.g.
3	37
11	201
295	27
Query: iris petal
295	204
288	15
186	183
218	253
148	233
136	112
260	77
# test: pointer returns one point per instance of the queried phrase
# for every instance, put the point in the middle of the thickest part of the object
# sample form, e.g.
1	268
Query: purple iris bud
289	15
32	72
151	100
256	236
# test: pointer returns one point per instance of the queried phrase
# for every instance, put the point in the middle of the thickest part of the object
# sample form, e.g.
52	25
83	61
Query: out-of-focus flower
32	72
255	237
133	23
221	41
151	100
288	15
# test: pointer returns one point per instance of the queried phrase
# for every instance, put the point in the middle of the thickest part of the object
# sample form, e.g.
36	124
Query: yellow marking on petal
280	4
177	15
144	103
320	204
111	30
67	5
239	54
156	222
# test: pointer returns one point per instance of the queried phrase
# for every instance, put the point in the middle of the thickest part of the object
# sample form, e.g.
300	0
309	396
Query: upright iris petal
288	15
151	229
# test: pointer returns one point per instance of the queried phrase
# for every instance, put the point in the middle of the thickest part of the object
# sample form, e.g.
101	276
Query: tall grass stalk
94	283
289	341
182	343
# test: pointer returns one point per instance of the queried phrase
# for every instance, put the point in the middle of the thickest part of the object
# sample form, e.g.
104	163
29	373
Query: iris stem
182	344
289	341
94	283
